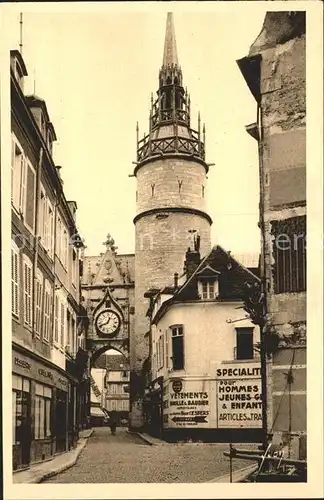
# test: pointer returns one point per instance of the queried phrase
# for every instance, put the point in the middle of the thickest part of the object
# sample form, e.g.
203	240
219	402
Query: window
124	374
43	399
38	303
58	237
21	403
74	267
56	319
160	352
47	312
177	347
208	290
62	243
73	343
289	249
244	343
17	175
64	256
23	184
15	280
28	203
62	326
27	291
50	228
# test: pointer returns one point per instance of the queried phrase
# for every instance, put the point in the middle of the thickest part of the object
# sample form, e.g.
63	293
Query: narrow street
125	458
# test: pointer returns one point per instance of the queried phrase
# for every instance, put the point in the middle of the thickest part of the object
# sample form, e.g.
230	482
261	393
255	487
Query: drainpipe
264	282
36	237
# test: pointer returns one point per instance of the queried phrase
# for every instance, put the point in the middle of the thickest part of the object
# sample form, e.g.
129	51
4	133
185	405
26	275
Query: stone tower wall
173	182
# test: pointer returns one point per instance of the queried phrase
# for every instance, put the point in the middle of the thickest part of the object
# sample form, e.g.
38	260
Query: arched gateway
108	294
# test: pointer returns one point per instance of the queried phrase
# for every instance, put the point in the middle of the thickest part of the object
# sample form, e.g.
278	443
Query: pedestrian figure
112	424
25	438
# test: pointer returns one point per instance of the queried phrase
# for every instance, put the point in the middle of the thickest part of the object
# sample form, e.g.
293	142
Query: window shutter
166	349
22	200
46	226
27	293
30	197
50	316
162	349
12	168
15	282
56	319
62	324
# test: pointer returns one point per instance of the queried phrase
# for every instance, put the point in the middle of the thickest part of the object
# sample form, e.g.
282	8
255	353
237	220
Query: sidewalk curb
237	476
46	475
146	440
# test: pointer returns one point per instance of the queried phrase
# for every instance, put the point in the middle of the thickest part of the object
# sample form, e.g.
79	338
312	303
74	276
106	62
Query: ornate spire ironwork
171	107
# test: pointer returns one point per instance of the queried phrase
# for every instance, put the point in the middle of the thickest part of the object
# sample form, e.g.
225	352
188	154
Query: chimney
176	277
192	261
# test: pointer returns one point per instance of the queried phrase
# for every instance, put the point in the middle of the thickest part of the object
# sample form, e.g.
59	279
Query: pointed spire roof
170	56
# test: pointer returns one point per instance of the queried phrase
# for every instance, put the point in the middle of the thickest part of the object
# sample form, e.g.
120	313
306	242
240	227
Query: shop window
15	281
21	403
177	347
244	343
43	400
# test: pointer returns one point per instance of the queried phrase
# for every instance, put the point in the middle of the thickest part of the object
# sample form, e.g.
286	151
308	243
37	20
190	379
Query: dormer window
208	283
208	290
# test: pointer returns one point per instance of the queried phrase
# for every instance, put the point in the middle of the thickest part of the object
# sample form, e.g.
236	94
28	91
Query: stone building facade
48	323
171	190
275	72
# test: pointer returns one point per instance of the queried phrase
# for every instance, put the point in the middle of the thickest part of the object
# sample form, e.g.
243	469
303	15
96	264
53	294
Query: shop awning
97	412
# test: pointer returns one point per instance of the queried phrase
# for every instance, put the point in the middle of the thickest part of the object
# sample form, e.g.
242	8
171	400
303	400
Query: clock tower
170	201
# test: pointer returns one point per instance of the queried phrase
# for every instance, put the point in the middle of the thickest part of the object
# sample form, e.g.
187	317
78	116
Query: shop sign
22	363
238	392
47	374
62	382
188	404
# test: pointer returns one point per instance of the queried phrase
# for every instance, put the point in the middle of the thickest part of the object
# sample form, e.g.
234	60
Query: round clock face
108	322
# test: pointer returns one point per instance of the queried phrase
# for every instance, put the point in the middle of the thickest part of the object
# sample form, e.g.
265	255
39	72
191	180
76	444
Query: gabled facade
204	351
47	365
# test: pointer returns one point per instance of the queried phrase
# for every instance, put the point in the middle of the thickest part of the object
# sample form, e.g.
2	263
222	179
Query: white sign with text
238	393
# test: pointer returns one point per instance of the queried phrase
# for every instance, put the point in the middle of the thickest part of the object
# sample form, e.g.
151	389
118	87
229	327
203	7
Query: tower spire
170	56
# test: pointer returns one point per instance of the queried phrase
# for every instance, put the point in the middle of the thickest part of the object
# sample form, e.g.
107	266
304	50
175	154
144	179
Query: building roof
232	276
170	56
248	260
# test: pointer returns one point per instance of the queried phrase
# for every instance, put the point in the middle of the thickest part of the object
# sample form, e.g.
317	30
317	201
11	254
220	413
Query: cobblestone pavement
125	458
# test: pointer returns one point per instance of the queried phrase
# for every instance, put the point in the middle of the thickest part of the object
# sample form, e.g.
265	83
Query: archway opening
110	387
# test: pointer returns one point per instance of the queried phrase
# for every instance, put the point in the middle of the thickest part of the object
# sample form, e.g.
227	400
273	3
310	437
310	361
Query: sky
96	71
